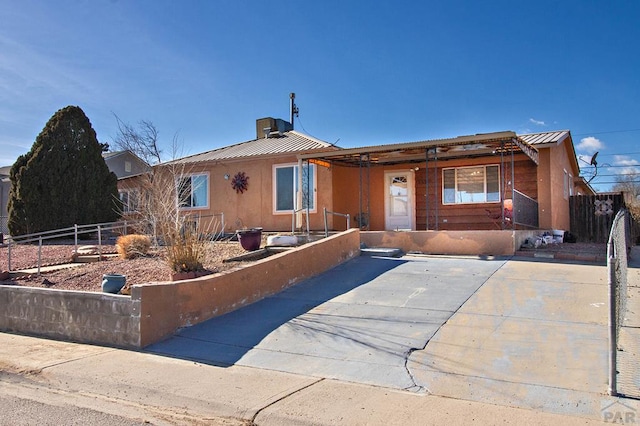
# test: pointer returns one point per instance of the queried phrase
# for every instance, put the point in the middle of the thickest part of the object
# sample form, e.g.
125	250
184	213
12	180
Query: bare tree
163	192
629	184
142	141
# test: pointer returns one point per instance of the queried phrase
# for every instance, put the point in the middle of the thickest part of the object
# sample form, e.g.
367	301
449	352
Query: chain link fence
4	228
618	249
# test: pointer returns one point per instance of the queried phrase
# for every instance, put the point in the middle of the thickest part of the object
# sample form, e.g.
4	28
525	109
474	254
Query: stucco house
127	166
255	183
478	182
487	181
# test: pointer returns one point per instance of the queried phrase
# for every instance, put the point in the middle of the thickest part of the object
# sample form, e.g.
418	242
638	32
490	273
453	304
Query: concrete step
89	258
381	251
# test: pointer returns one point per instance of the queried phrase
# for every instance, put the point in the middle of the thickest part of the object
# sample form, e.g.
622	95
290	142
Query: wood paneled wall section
460	217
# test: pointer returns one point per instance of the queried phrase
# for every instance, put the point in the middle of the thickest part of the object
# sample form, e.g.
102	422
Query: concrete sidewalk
527	346
165	391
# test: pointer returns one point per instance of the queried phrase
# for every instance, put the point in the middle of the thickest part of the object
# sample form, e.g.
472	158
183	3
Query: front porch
468	183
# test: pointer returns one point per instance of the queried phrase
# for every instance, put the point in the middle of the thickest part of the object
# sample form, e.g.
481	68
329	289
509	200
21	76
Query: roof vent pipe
292	108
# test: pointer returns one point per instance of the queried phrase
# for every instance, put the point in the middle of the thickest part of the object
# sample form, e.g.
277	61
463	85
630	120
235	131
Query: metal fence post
75	233
9	257
613	341
326	226
39	253
99	243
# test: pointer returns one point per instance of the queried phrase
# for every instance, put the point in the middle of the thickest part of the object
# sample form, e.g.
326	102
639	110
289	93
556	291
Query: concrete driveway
516	332
358	322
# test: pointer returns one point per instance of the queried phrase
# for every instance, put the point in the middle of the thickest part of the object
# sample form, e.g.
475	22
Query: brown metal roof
461	146
290	142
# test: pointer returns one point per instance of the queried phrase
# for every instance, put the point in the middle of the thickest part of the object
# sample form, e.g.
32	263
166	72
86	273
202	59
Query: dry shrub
185	247
132	246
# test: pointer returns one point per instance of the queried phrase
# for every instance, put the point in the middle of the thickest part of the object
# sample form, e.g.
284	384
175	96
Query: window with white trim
193	191
466	185
129	199
570	185
286	182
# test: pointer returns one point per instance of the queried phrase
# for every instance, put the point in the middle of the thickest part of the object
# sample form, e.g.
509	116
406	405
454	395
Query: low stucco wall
165	307
155	311
86	317
497	243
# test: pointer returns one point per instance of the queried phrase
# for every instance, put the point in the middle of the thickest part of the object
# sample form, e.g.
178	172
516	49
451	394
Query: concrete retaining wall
155	311
497	243
100	318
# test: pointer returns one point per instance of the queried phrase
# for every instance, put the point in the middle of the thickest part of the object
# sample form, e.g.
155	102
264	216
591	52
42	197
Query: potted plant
113	283
250	238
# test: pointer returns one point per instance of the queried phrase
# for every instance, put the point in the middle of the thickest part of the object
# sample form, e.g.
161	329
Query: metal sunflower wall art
240	182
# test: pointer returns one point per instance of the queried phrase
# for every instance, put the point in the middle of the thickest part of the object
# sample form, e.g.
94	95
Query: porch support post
513	187
360	193
368	192
435	184
504	185
298	206
426	191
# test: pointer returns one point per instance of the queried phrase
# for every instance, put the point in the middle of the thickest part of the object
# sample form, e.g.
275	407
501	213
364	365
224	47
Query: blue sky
364	72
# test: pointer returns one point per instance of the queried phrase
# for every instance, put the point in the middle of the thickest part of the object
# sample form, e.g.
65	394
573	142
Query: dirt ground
88	277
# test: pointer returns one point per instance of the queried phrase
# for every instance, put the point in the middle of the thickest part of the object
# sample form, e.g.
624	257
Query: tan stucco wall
444	242
254	207
165	307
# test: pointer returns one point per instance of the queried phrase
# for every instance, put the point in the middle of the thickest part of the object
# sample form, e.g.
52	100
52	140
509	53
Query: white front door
399	201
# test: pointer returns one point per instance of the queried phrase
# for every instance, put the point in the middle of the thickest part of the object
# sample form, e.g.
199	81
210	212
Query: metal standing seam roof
289	142
544	138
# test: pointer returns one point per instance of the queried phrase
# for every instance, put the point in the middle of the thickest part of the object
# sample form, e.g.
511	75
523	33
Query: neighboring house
127	167
484	181
125	163
5	186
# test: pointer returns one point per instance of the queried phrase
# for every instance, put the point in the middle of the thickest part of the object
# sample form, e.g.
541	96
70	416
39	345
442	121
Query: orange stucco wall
553	202
165	307
444	242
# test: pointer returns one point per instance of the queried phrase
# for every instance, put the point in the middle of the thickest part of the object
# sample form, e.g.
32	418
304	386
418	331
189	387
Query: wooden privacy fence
592	216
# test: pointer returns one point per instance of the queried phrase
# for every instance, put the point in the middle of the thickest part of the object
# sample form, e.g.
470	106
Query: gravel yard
88	277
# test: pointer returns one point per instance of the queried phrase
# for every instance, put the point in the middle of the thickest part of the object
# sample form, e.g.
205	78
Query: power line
611	155
607	131
607	166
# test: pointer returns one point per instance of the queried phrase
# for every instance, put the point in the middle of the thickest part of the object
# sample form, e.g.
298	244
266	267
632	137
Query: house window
286	182
127	166
570	185
129	200
193	191
464	185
